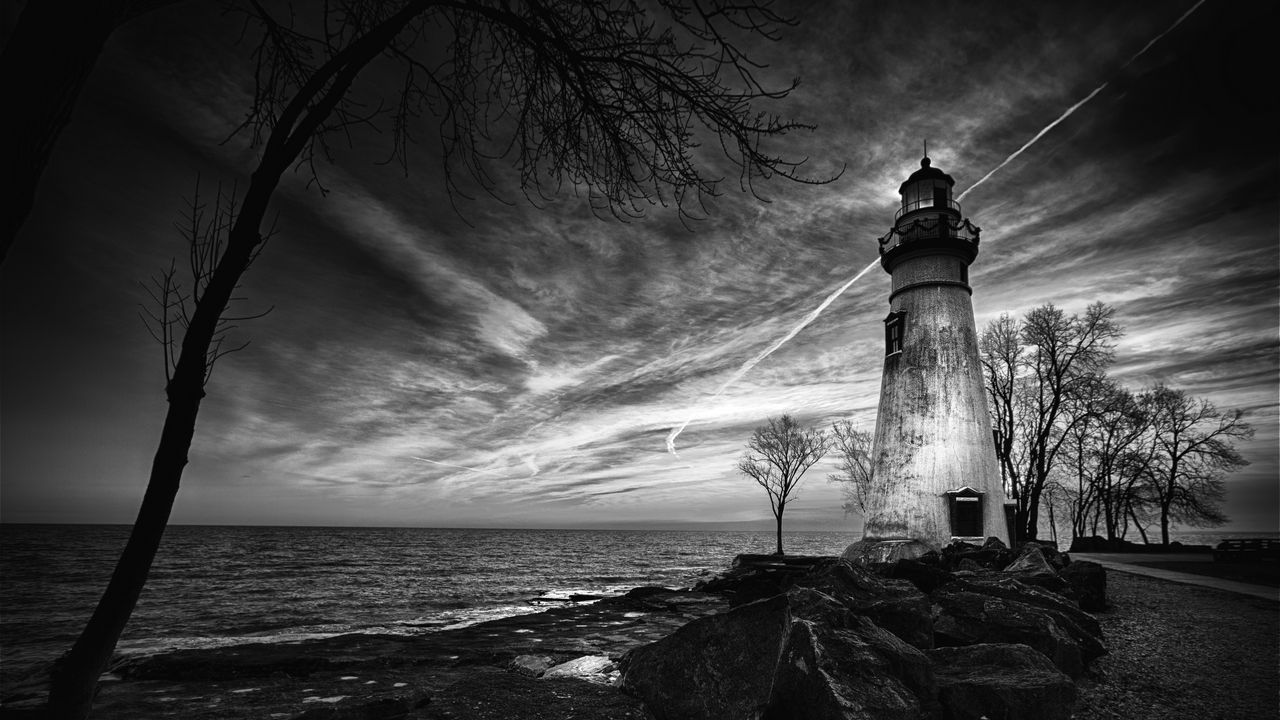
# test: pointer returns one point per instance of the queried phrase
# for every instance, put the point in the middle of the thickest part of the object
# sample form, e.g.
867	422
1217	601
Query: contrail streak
746	366
460	467
1156	39
1032	141
1075	107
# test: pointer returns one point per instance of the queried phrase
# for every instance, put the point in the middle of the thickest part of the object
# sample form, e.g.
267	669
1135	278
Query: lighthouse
935	476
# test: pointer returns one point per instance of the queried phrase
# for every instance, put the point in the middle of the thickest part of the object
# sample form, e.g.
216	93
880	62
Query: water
215	586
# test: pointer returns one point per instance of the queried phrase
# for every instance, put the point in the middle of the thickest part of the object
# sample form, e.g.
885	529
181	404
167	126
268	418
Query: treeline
1073	441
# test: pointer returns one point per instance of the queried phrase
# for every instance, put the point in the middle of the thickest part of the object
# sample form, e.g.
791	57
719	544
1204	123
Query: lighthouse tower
935	475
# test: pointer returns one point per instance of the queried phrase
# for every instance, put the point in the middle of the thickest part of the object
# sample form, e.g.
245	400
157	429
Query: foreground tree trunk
76	675
75	678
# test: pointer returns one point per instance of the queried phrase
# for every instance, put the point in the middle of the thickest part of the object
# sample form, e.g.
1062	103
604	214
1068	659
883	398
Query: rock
849	673
714	667
532	665
1089	581
1012	682
895	605
1053	583
964	617
646	591
1031	561
956	547
754	577
1049	549
990	556
1082	626
594	668
803	655
493	694
878	552
925	576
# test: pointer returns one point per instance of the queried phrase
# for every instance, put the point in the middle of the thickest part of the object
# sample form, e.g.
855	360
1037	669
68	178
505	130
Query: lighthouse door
966	515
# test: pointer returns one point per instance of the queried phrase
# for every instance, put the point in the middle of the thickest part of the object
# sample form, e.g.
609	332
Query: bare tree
591	93
1001	355
777	457
1034	380
1194	452
856	469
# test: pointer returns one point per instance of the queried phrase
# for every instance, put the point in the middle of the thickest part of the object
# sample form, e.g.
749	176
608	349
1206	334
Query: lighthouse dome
926	172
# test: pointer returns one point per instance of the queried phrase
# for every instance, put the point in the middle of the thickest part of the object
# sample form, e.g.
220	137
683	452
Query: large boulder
1048	548
1031	561
1011	682
926	576
895	605
755	577
719	666
880	552
1082	626
1088	580
965	617
847	673
802	655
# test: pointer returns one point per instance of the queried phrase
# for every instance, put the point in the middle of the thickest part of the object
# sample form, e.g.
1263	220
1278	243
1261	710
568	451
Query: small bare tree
777	457
1195	450
855	472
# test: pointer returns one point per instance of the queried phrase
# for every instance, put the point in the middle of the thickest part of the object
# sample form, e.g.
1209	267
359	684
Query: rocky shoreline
974	631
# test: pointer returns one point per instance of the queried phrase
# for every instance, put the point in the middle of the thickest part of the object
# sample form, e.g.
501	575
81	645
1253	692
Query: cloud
536	358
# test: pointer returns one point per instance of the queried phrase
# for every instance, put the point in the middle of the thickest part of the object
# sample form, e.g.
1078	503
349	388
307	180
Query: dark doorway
966	516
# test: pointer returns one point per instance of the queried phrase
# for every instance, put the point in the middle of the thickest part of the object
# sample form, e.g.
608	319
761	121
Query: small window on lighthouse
894	325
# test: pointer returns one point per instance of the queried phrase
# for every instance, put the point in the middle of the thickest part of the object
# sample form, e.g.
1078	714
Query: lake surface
226	585
215	586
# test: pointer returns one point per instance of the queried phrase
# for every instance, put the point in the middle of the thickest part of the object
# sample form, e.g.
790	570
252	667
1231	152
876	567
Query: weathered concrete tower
936	477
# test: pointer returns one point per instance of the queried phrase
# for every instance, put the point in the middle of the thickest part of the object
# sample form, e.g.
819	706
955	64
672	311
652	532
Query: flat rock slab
491	694
1011	682
342	677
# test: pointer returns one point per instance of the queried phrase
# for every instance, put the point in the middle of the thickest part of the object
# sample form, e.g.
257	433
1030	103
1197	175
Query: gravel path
1182	651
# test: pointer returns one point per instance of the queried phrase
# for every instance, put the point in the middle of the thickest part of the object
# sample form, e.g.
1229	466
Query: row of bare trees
1154	457
1071	439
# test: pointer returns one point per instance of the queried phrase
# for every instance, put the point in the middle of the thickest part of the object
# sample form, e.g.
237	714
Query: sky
499	364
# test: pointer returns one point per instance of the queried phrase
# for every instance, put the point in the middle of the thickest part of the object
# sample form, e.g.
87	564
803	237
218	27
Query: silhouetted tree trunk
604	100
43	68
